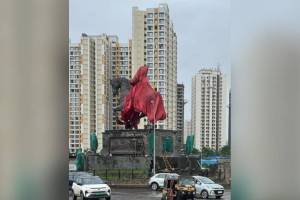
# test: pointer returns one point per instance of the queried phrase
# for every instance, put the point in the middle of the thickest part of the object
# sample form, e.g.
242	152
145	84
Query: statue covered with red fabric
142	100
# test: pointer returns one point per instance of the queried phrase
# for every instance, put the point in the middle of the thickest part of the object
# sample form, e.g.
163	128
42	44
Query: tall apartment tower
154	43
180	107
208	108
74	98
121	67
96	95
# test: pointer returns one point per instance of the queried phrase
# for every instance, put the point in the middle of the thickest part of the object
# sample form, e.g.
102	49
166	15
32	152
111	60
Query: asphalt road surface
143	194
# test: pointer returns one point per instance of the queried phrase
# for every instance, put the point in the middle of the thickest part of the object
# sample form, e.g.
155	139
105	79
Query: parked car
74	174
157	181
90	187
206	188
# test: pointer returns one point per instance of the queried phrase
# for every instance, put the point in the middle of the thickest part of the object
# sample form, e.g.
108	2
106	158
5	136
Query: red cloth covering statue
142	100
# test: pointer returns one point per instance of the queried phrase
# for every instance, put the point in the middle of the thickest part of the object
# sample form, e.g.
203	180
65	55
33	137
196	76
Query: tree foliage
225	151
208	152
195	151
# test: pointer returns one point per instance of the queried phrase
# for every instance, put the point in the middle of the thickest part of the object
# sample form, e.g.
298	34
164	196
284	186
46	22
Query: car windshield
206	180
186	181
88	181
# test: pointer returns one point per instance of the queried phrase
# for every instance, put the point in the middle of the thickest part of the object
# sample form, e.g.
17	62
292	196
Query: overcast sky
202	27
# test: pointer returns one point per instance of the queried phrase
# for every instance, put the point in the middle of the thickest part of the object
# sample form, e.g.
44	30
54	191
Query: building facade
93	63
208	121
96	90
154	43
121	67
74	98
180	107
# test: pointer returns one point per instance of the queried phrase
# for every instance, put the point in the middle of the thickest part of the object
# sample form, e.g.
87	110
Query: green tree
208	152
195	151
225	151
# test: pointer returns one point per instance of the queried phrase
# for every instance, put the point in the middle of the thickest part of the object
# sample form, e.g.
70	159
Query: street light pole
154	146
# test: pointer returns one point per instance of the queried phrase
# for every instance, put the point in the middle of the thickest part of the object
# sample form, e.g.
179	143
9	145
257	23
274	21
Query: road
143	194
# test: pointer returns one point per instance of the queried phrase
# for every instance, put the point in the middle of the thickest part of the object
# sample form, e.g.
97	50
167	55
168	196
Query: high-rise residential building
93	62
187	129
96	95
74	98
209	108
180	108
121	67
154	43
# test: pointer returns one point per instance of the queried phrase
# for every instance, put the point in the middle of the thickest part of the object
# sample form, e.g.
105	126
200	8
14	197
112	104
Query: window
161	176
150	21
161	65
150	15
149	59
160	83
150	40
150	34
149	46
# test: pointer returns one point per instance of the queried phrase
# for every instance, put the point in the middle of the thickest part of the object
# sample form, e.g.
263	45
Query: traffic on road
163	186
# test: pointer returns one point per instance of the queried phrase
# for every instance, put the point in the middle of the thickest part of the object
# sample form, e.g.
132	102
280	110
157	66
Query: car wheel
193	197
154	186
204	194
73	195
178	196
82	196
107	198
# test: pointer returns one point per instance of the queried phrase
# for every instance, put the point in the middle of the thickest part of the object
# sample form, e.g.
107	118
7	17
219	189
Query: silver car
206	188
157	181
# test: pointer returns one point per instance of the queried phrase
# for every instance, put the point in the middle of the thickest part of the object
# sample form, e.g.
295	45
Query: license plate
100	193
220	192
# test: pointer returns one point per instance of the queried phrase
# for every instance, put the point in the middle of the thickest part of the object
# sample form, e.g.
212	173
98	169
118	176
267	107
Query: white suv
90	187
206	188
157	181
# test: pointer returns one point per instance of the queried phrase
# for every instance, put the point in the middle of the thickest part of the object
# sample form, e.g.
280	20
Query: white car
90	187
206	188
157	181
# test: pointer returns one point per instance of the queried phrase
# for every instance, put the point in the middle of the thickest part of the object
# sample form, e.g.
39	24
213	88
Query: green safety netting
150	139
93	142
167	143
79	160
189	145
